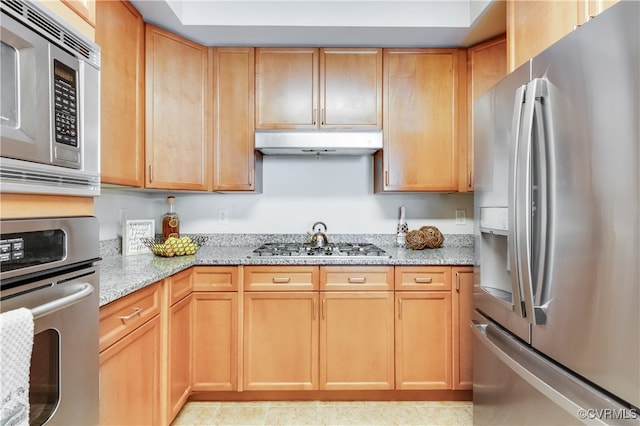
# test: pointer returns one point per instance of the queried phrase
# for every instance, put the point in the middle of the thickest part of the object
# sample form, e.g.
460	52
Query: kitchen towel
16	344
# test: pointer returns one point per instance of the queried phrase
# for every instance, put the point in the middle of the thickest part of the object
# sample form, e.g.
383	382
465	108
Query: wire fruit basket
184	245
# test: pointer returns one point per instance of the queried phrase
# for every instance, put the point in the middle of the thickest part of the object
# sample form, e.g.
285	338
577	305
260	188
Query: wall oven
50	105
48	266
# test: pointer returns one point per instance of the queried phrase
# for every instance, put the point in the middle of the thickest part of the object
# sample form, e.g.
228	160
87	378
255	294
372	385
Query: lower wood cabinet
215	328
423	340
462	335
130	348
178	346
280	340
356	340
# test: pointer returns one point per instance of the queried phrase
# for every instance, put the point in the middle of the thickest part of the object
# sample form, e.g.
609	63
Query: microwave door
33	70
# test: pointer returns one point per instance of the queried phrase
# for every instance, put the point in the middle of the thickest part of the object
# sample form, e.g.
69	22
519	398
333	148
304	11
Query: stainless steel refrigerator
557	269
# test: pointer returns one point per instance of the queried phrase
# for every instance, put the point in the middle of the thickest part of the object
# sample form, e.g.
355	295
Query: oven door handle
63	302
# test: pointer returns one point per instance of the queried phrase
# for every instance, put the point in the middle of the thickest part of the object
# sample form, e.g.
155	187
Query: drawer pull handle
280	280
357	280
423	280
135	312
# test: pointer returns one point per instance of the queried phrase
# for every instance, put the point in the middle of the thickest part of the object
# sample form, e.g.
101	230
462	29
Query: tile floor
325	413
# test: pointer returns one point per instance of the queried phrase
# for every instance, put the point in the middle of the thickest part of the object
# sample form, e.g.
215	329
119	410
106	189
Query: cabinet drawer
215	278
180	285
352	278
423	278
121	317
281	278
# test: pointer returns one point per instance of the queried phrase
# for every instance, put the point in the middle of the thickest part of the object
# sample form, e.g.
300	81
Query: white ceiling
412	23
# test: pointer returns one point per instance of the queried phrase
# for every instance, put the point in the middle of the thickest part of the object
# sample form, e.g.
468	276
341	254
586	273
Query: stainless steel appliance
308	250
557	276
50	108
48	266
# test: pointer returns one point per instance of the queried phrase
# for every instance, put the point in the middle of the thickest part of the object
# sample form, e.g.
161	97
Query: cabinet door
423	340
177	112
462	335
215	341
234	155
351	88
179	352
286	88
421	134
532	26
120	34
129	378
486	65
280	341
356	340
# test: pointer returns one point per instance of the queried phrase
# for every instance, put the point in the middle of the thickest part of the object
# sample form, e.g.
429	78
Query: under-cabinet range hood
292	142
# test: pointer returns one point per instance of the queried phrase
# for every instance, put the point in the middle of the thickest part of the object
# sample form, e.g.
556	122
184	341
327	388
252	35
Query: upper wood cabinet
120	34
532	26
177	112
309	88
236	165
423	109
486	65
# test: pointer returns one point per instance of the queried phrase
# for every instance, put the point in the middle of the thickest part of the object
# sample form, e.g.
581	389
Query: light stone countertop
122	275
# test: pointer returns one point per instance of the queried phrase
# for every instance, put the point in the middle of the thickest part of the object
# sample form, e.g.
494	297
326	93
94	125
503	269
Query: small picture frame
132	233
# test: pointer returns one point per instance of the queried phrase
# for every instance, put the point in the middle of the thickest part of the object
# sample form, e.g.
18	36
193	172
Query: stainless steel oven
48	266
50	105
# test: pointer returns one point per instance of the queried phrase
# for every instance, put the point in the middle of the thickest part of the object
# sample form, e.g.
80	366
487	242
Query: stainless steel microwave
50	104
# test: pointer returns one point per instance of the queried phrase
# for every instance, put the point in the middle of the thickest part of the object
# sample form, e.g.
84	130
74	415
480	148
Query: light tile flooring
325	413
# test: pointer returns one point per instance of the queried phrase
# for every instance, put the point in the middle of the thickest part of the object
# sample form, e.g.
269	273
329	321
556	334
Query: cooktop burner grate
330	250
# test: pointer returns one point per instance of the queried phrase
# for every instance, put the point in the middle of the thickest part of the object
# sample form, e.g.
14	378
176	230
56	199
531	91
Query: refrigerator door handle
524	203
541	225
514	190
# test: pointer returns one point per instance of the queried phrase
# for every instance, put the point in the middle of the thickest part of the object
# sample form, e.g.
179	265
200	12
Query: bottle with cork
403	228
170	220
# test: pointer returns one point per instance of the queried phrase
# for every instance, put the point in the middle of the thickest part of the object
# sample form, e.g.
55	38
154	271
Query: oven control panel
11	249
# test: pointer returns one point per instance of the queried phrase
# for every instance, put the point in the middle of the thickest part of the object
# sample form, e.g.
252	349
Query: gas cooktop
298	250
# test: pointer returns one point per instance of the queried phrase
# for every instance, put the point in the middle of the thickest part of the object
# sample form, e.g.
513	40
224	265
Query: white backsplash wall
297	191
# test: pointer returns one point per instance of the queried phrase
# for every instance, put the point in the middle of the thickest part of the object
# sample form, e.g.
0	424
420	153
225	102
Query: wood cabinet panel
462	334
122	316
421	109
486	65
286	88
532	26
351	88
177	112
234	157
179	356
423	340
356	340
423	278
129	378
180	285
280	341
351	278
215	341
215	278
281	278
120	34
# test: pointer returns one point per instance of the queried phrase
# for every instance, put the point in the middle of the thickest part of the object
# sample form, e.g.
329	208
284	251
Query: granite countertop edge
122	275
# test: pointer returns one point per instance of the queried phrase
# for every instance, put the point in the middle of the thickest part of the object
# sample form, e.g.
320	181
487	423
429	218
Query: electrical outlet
223	216
122	216
461	217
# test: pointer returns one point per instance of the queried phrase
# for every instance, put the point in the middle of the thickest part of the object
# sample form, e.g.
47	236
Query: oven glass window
44	382
9	75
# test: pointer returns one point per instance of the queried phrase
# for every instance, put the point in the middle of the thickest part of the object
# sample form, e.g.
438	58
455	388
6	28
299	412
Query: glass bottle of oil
170	220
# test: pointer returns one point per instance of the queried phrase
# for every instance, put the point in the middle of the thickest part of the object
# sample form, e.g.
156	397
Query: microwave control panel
66	104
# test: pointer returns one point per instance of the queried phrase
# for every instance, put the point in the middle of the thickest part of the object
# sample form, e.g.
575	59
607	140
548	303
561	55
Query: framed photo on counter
132	233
